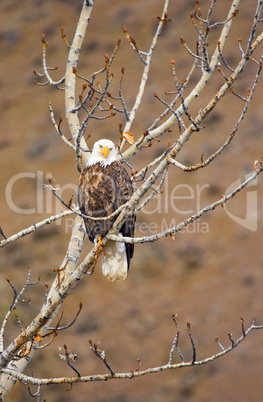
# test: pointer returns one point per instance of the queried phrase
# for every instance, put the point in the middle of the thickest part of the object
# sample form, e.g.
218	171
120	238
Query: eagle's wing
124	191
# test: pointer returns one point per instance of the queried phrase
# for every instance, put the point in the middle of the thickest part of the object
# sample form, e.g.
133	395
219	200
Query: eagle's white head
103	152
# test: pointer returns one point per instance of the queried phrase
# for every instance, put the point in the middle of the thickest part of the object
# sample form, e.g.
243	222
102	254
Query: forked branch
25	379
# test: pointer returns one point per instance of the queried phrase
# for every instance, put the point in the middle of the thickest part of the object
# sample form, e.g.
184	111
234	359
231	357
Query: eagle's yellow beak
105	151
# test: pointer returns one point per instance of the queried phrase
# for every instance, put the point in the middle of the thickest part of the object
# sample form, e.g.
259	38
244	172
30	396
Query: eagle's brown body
102	190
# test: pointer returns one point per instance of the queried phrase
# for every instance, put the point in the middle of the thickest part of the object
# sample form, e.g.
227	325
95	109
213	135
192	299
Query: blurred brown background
210	276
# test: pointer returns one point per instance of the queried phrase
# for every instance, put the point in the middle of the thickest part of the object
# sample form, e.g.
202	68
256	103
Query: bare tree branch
131	374
34	227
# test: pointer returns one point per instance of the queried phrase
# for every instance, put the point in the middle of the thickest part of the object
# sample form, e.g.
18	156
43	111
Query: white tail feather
114	261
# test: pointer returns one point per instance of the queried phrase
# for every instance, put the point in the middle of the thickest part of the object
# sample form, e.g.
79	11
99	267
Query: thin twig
68	325
192	342
175	343
101	354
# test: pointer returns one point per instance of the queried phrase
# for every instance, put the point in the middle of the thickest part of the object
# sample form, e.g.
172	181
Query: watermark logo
181	200
45	202
250	221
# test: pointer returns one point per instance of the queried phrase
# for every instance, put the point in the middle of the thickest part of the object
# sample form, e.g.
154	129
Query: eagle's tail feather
114	261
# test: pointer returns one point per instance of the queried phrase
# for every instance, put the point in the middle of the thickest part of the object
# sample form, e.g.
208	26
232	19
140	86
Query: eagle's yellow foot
99	241
97	253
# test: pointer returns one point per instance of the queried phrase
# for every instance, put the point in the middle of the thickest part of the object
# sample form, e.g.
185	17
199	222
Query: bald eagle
104	186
